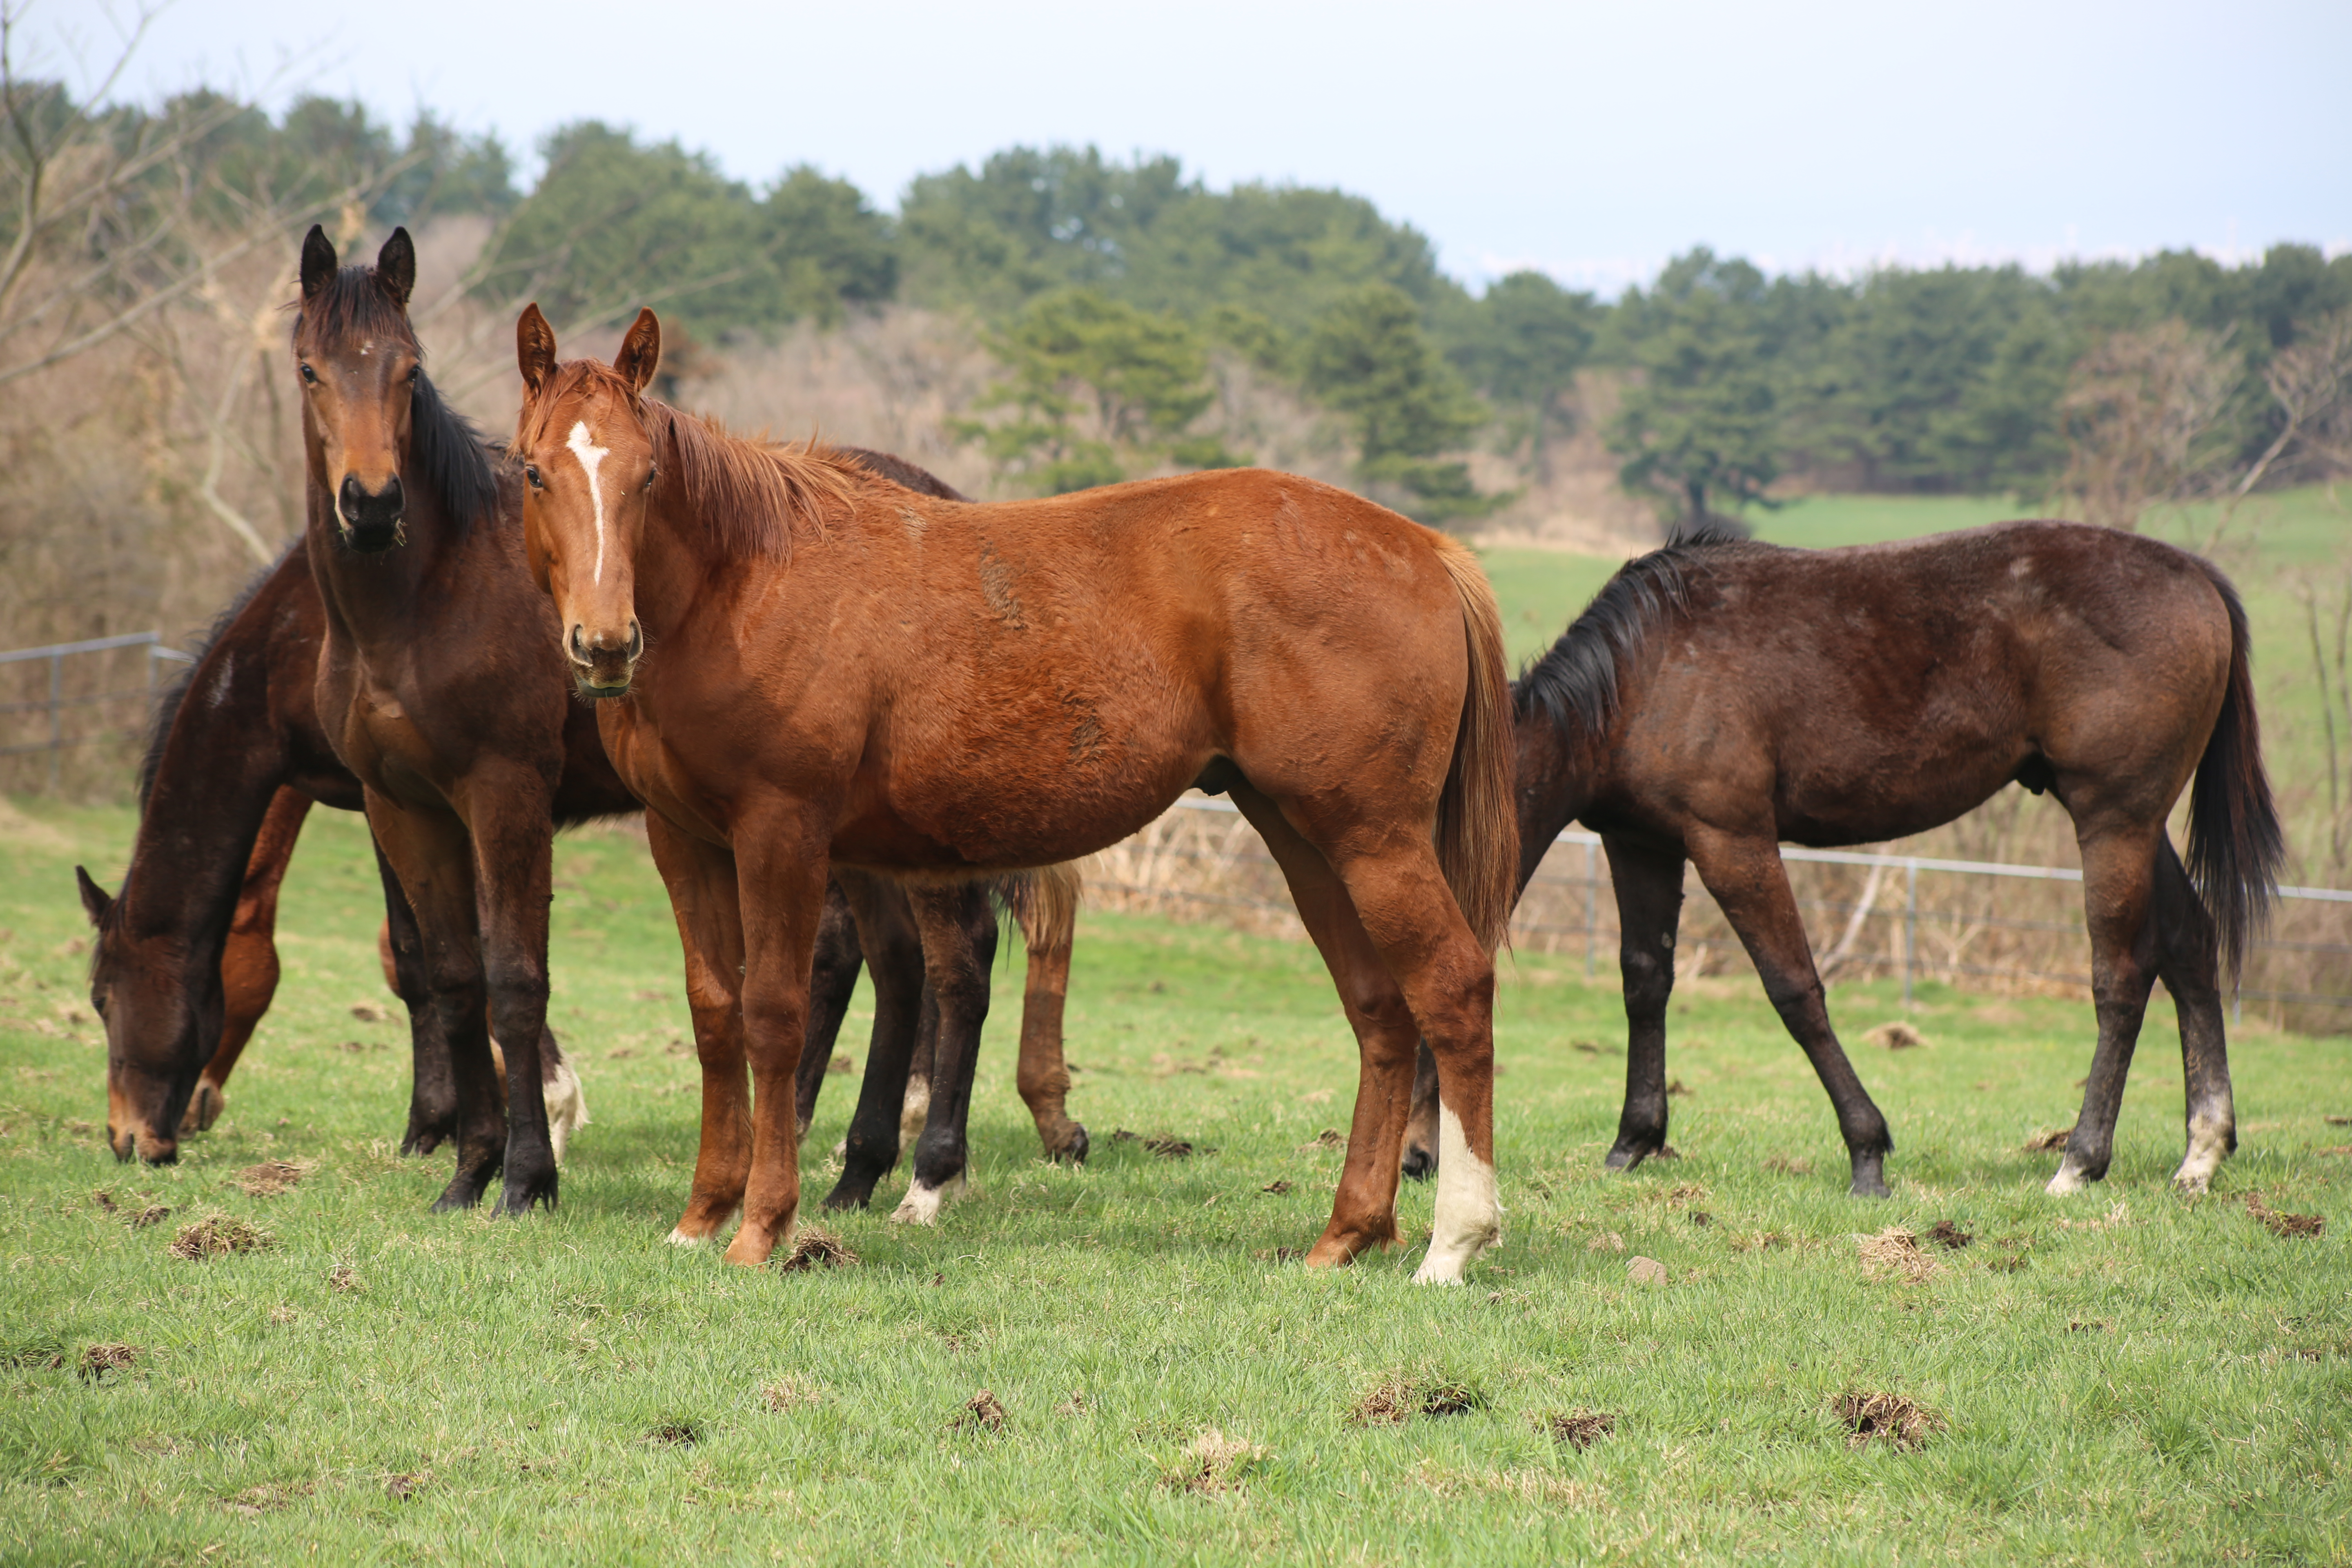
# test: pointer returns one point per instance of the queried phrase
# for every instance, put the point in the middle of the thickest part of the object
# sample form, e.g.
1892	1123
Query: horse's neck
675	567
220	764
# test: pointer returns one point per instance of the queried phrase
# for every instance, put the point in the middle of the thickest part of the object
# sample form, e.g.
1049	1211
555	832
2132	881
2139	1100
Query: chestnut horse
1719	697
801	662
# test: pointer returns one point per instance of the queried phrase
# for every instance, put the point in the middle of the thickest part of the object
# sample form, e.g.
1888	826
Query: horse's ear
640	353
396	267
534	349
94	901
318	262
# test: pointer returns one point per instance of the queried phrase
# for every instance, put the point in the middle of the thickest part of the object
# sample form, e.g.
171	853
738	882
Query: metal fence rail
1225	856
58	700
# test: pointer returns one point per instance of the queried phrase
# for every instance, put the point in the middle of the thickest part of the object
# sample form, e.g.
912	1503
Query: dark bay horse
801	663
1719	697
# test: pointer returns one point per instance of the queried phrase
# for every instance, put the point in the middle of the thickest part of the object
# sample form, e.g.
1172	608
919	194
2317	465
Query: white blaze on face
1469	1214
591	457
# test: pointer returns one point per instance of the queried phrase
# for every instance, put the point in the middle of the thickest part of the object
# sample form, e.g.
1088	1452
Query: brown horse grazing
801	662
1718	698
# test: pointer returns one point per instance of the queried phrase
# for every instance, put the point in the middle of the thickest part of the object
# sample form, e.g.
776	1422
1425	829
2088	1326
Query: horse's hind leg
2188	958
1420	1130
832	980
2118	899
706	899
1751	887
894	950
1044	1077
915	1106
249	958
1649	886
959	947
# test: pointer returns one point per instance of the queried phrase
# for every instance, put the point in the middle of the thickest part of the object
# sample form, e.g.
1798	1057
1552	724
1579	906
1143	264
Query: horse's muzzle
371	522
602	669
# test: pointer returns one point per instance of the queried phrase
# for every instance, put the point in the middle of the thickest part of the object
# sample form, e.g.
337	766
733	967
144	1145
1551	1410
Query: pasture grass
2121	1375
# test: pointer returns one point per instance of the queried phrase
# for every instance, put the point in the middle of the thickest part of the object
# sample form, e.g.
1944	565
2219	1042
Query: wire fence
75	702
1904	918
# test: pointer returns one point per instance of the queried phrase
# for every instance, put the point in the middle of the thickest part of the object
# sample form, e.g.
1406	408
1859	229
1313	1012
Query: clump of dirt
983	1412
217	1236
1646	1271
255	1501
1075	1404
1329	1138
100	1359
2283	1224
1781	1165
1667	1152
841	1063
790	1393
2338	1120
343	1279
1168	1146
1895	1036
816	1248
1276	1188
154	1214
2050	1141
1213	1464
1895	1253
370	1012
676	1434
1608	1241
401	1488
1950	1237
1398	1398
270	1178
1580	1429
1886	1417
1676	1090
103	1199
1700	1216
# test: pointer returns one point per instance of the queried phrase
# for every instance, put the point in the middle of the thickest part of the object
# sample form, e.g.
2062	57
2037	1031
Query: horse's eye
414	372
651	475
530	473
310	376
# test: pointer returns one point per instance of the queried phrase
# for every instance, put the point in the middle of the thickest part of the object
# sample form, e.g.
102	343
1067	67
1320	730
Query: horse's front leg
707	900
511	817
1648	888
1751	887
783	857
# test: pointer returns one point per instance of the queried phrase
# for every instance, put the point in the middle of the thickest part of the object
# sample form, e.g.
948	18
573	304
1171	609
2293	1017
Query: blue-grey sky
1589	140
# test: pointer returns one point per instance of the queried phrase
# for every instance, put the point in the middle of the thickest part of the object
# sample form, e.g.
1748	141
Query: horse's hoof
2069	1180
1870	1177
204	1108
679	1238
461	1195
1075	1150
1628	1153
518	1198
845	1197
921	1206
1419	1164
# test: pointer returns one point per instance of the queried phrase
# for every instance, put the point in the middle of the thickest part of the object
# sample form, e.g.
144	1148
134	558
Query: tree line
1108	289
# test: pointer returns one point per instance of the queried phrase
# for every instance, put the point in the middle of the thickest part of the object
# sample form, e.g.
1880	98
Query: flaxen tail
1477	821
2235	843
1046	903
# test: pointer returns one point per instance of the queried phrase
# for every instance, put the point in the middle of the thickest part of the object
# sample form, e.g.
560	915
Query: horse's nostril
579	647
637	639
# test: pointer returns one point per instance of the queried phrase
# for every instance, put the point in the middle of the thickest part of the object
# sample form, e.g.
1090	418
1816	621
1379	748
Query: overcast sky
1589	140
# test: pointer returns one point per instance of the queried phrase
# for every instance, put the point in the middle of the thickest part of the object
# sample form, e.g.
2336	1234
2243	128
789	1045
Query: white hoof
2068	1180
1469	1218
921	1206
679	1238
2208	1145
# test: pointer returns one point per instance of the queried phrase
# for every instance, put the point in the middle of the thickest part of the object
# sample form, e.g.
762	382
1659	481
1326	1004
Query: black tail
2235	843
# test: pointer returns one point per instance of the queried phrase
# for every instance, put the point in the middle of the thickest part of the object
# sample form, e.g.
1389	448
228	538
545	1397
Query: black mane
175	693
1576	681
448	451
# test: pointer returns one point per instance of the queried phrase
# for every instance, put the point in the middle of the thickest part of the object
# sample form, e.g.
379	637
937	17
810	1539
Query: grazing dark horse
1719	697
801	662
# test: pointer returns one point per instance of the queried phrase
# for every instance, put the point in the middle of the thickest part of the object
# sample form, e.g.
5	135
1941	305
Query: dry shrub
100	1359
1885	1417
2282	1225
1213	1464
1894	1036
816	1248
1580	1429
983	1412
1895	1253
1399	1397
1608	1241
219	1235
271	1177
255	1500
790	1393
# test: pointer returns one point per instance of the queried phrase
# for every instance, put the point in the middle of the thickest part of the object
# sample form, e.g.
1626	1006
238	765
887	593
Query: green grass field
2124	1375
